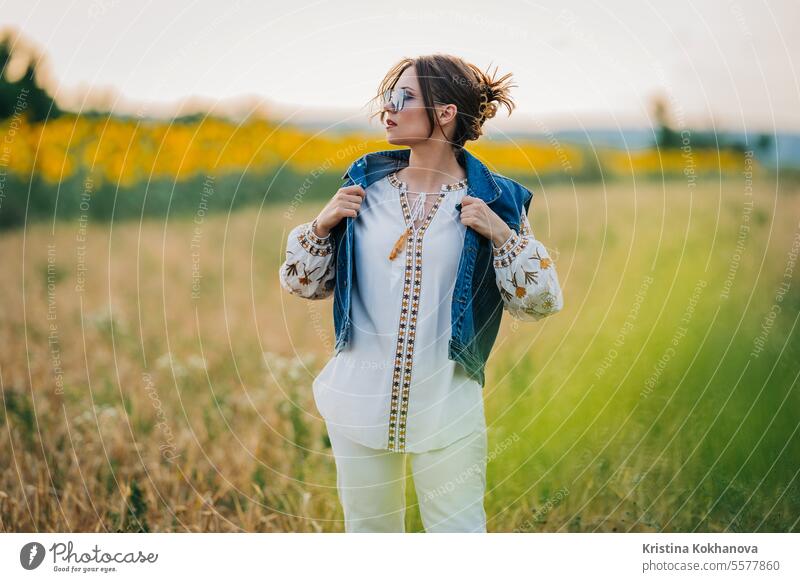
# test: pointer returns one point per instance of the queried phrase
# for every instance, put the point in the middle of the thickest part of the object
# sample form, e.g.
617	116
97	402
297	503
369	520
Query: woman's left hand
477	215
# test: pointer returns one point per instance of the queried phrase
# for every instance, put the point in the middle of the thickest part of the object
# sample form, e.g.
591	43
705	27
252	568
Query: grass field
155	377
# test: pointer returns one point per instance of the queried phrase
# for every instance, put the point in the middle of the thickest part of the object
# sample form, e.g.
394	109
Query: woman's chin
396	140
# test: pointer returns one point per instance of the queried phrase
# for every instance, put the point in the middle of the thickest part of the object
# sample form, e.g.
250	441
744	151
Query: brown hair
449	79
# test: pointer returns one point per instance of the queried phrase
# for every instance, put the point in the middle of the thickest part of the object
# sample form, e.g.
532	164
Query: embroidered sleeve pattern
526	276
308	270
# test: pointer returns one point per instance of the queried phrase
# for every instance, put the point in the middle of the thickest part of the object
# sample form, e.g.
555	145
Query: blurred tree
39	104
666	136
764	142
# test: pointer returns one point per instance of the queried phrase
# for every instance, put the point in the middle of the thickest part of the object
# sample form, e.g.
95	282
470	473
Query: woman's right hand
346	202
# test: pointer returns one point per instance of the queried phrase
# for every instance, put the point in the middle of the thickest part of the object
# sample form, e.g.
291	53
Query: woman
423	249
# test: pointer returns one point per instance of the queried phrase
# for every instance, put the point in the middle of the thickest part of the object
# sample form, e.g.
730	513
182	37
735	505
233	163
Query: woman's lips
390	123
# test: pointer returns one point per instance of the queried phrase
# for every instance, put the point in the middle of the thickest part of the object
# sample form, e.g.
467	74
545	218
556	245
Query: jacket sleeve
309	269
526	276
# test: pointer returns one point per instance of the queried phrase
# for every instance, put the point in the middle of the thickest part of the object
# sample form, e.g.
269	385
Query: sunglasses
395	97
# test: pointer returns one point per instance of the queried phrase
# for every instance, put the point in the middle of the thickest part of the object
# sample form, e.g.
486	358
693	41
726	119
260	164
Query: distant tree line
667	137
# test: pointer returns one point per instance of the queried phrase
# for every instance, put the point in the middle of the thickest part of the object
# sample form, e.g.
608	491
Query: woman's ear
447	113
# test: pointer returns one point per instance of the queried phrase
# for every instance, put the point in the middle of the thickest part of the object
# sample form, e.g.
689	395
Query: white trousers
450	484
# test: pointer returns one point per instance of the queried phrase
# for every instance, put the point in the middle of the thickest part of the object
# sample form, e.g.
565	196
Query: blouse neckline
400	185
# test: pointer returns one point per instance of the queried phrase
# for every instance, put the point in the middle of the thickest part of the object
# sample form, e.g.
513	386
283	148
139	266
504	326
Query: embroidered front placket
412	285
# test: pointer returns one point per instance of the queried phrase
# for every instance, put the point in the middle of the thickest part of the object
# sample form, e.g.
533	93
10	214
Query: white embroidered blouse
393	387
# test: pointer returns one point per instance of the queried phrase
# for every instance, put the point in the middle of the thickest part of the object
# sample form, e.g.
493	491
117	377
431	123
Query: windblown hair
446	79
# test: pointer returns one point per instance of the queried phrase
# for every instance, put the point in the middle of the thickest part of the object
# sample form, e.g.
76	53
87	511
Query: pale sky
730	63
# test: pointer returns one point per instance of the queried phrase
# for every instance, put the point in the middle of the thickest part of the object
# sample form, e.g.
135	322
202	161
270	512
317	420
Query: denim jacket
477	305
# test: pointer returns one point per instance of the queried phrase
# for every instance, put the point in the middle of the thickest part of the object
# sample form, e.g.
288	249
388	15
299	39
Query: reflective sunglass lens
395	97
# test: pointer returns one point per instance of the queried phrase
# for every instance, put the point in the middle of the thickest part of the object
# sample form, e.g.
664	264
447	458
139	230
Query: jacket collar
373	166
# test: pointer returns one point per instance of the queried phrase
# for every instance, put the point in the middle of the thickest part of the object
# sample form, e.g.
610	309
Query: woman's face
409	126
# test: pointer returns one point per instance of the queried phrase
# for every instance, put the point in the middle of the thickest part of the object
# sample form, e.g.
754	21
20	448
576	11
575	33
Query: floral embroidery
524	226
317	240
530	276
514	238
315	245
308	255
323	291
542	304
526	276
397	183
520	290
547	301
506	254
304	279
505	247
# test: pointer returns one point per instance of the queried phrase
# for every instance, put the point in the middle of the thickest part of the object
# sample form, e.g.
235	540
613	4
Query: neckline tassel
401	242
